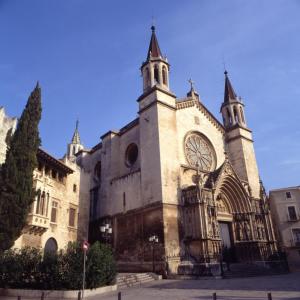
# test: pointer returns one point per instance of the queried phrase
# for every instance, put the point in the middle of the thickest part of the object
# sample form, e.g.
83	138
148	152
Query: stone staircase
241	270
125	280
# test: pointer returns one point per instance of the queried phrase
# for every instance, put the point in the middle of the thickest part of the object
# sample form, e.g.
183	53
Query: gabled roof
49	159
154	50
189	102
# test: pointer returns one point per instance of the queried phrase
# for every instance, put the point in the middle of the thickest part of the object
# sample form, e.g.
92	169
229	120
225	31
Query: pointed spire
154	50
76	137
229	93
192	93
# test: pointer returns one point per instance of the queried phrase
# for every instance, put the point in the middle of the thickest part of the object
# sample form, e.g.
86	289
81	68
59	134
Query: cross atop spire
229	93
192	93
154	50
76	137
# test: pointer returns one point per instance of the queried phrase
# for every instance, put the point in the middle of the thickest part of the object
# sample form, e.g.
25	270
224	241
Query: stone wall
6	123
71	192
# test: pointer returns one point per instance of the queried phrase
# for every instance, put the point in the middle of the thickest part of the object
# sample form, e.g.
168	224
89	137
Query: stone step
125	280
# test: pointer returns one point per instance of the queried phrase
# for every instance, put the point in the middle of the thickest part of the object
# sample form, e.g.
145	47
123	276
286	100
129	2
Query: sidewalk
282	287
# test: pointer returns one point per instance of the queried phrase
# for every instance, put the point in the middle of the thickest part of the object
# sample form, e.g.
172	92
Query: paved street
282	287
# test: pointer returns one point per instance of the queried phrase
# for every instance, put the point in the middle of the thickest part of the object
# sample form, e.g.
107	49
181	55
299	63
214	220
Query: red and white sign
85	245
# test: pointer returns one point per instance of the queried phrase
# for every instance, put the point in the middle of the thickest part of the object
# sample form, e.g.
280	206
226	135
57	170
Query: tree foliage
28	268
16	180
101	266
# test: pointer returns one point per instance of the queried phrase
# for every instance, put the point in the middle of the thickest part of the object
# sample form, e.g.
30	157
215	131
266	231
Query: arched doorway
235	217
50	246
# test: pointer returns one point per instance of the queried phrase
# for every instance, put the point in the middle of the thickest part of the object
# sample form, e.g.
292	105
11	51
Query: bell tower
232	108
238	139
75	145
155	70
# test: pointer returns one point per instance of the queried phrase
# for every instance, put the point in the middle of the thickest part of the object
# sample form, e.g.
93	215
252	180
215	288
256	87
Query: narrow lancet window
164	75
156	75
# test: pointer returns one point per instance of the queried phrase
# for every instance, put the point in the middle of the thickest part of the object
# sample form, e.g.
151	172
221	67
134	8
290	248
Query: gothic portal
178	174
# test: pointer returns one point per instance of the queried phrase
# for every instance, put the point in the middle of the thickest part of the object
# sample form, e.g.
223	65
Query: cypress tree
16	177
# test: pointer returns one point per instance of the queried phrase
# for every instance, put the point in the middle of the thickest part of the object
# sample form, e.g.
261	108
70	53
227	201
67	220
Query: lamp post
153	239
106	231
85	247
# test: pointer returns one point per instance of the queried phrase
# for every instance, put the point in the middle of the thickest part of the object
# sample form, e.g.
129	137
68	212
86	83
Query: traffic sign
85	245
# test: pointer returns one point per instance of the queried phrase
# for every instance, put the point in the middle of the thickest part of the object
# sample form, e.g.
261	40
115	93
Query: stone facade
178	174
285	208
59	213
6	123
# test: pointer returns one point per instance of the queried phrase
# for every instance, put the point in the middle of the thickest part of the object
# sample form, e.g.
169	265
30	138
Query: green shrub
72	266
101	267
50	272
28	268
20	268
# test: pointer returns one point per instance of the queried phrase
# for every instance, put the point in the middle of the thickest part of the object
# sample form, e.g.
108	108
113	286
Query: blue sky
87	54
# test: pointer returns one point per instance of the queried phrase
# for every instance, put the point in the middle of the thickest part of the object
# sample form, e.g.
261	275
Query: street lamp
153	239
106	231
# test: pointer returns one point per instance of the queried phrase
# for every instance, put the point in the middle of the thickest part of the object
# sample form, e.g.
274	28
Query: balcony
37	224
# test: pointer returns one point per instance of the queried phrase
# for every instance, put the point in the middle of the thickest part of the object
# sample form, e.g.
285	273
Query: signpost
85	247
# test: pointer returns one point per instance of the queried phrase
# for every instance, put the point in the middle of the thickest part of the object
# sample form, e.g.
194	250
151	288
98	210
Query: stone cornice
238	126
156	102
154	88
227	140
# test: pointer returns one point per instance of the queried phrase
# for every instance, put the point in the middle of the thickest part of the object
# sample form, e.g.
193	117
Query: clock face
199	152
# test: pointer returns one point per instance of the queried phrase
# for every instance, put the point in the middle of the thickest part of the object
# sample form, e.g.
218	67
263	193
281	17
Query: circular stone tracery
199	152
131	155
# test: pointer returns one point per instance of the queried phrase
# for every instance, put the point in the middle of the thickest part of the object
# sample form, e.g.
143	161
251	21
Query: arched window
50	246
147	77
97	170
242	115
38	200
236	118
164	75
229	117
42	208
156	75
74	149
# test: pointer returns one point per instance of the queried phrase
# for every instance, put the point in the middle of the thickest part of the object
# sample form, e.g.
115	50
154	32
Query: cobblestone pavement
285	286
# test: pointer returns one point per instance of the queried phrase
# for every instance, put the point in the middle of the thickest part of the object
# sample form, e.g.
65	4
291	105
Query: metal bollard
214	296
119	296
19	297
42	296
79	295
269	296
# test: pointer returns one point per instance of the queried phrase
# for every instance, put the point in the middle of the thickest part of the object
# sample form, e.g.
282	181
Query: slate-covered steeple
154	50
155	70
232	108
75	146
229	93
76	136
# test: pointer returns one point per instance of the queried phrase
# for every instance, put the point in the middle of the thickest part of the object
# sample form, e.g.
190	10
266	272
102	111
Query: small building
59	213
285	209
6	124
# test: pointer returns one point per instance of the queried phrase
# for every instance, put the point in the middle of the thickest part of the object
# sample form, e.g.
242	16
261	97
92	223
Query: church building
176	185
